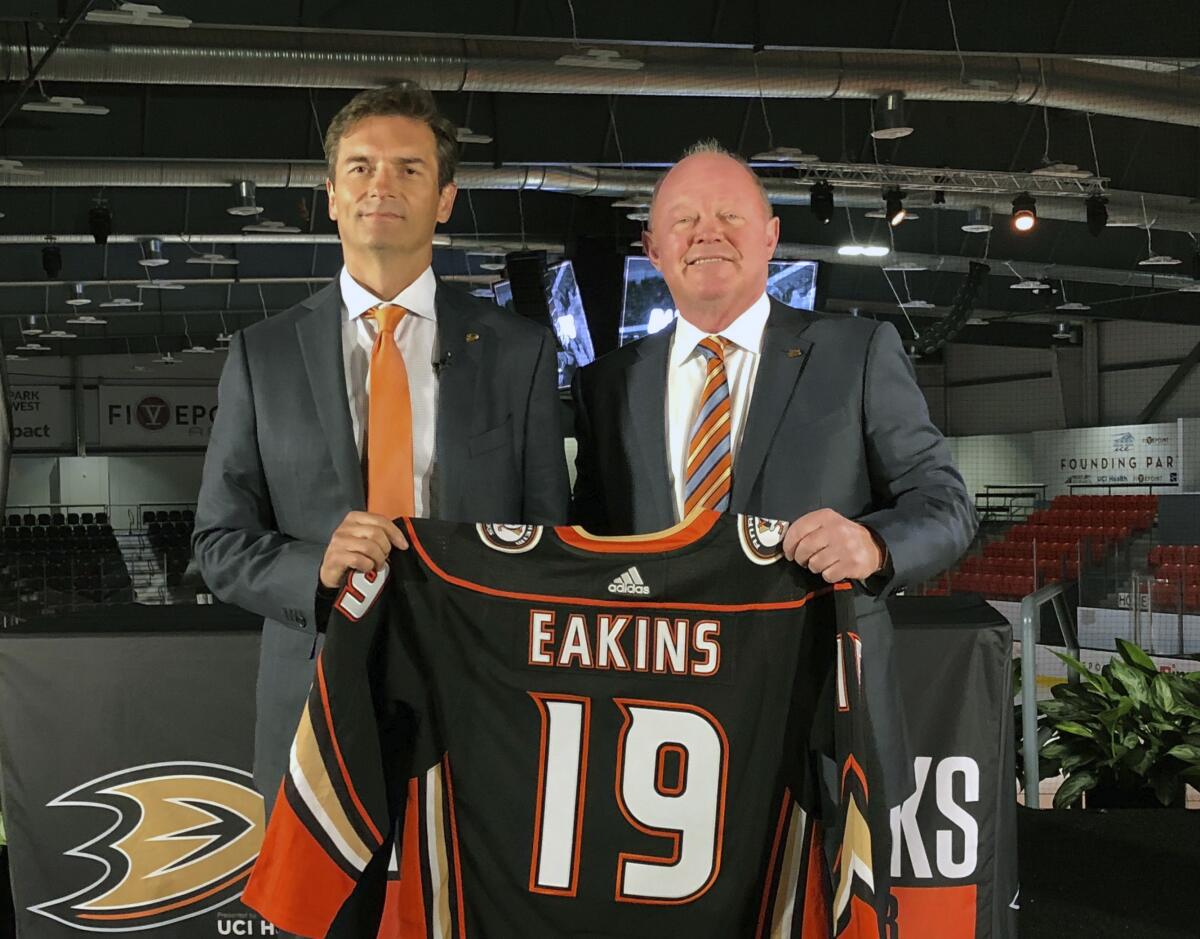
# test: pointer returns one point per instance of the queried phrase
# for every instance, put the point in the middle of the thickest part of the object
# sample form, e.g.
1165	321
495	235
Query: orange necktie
389	423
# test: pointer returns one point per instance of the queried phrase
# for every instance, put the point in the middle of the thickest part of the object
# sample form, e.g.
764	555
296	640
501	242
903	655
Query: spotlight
1097	214
52	260
100	222
889	117
893	201
820	200
1024	213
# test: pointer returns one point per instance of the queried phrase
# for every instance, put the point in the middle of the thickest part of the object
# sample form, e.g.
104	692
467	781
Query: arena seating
170	534
54	559
1006	569
1177	577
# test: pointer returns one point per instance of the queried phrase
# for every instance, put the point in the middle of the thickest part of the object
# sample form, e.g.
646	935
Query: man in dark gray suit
827	427
281	515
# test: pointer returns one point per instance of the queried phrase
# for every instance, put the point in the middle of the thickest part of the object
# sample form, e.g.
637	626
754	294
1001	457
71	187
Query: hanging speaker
526	271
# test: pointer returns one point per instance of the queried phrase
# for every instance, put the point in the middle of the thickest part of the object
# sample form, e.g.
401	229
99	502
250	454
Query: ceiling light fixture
270	227
1097	213
1063	331
137	14
889	123
63	104
1070	304
867	251
211	259
466	135
979	220
78	297
152	253
86	319
1024	213
31	328
600	58
785	155
820	200
117	303
244	204
905	266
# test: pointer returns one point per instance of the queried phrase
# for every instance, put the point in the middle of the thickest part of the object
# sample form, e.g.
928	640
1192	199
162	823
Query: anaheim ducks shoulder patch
511	539
762	538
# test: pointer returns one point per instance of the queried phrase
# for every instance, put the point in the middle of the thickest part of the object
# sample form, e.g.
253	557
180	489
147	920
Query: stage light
820	200
1024	213
893	201
52	260
1097	214
100	222
979	220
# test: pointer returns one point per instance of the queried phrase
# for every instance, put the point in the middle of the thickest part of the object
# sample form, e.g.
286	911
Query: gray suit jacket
836	420
282	470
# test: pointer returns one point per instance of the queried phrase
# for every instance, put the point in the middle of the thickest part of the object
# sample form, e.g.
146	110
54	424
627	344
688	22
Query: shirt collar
417	297
745	332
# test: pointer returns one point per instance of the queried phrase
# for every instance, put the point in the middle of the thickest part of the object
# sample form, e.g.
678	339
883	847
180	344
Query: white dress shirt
416	338
685	378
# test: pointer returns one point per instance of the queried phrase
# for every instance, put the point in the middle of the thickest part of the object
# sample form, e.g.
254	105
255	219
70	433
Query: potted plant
1126	737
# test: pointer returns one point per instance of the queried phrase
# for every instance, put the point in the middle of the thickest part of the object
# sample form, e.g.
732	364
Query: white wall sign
1109	456
41	417
148	416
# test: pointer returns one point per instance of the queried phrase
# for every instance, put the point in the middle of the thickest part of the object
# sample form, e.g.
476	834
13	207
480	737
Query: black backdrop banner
126	740
954	840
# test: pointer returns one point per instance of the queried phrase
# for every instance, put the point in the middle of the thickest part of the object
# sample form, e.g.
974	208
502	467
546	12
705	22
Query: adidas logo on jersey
629	582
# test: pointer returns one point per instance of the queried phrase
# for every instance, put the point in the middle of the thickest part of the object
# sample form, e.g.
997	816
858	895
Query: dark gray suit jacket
836	420
282	470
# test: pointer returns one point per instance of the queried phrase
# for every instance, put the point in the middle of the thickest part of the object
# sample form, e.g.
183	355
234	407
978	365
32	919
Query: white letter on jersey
957	815
705	633
540	634
575	642
608	642
693	820
360	592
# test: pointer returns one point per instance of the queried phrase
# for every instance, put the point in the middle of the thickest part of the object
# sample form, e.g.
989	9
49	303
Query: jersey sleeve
337	803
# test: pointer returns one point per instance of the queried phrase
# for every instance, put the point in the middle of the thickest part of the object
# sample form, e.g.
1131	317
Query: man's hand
831	545
362	542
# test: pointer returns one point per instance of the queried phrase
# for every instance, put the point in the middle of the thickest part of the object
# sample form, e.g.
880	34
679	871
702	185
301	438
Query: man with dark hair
384	394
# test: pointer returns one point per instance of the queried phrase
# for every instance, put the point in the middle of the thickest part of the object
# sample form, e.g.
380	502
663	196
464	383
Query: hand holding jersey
833	546
362	542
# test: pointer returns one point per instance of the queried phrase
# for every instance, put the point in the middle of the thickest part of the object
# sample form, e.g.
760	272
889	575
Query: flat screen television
648	306
566	316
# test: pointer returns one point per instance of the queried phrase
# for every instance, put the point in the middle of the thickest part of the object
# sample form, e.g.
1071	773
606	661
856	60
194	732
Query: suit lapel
462	361
784	355
320	336
645	413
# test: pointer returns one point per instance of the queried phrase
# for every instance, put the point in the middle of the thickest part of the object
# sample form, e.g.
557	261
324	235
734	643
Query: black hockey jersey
610	741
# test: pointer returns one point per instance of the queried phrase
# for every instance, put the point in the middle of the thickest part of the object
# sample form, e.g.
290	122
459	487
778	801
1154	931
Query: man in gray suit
826	425
281	515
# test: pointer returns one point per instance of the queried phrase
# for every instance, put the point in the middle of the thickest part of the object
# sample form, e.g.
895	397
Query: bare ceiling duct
303	58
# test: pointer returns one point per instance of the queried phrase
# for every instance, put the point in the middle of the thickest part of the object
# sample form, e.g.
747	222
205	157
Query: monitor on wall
648	306
566	316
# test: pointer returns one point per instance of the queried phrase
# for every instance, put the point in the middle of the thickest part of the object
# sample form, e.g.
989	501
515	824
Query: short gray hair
712	145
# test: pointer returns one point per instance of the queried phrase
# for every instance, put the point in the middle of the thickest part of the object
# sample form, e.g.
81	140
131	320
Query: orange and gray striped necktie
709	458
389	421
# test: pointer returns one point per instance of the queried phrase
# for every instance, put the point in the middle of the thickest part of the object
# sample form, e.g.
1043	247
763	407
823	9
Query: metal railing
1031	628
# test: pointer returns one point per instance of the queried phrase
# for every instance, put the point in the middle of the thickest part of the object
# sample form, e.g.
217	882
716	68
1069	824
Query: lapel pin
472	337
794	353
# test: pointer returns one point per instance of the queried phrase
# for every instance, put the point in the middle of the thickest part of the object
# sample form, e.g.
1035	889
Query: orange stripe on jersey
817	890
455	847
677	536
784	811
287	848
410	890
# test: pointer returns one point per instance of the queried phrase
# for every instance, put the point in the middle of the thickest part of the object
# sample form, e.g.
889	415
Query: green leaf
1189	753
1166	788
1075	786
1134	681
1071	727
1099	682
1161	693
1136	657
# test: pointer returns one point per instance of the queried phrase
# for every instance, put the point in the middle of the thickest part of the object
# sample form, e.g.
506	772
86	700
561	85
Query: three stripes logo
629	582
